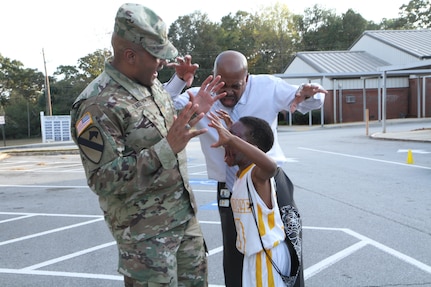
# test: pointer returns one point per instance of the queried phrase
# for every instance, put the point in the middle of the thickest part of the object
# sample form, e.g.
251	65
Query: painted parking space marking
49	231
419	151
69	256
44	186
35	269
365	158
209	206
363	242
309	272
41	166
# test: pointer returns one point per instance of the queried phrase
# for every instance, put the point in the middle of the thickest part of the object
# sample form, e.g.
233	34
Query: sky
46	34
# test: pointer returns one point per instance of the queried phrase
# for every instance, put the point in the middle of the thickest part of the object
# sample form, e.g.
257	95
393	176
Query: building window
350	99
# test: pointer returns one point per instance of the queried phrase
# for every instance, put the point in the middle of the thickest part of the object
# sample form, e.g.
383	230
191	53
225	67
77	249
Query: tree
22	119
19	93
237	32
417	13
321	30
68	73
394	24
73	80
8	70
266	38
93	64
30	84
275	39
195	35
353	26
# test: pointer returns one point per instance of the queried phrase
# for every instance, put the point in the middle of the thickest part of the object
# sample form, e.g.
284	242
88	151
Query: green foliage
417	14
68	73
63	94
20	89
74	79
275	40
322	30
353	26
195	35
395	24
267	38
92	65
22	119
8	78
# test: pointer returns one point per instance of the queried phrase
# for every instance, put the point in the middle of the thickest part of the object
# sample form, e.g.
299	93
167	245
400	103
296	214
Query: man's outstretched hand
207	94
184	69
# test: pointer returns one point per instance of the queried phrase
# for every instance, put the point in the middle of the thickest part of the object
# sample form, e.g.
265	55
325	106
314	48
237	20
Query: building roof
414	42
341	61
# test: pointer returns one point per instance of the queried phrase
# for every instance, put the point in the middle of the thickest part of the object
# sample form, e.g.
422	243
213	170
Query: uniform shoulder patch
91	144
83	123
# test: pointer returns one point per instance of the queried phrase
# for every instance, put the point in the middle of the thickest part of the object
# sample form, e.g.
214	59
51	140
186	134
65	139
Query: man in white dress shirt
262	96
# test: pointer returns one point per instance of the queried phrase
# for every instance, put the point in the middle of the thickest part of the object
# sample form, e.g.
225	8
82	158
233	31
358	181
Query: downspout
384	102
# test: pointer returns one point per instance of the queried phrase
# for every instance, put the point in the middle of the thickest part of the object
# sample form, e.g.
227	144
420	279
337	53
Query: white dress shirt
264	97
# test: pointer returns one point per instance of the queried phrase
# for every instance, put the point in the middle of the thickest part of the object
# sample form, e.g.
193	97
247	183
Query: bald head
232	61
232	67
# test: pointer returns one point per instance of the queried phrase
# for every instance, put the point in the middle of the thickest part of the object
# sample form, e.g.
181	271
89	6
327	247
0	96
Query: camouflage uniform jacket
120	128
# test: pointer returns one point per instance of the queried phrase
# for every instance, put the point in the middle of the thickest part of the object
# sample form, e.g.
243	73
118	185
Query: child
254	192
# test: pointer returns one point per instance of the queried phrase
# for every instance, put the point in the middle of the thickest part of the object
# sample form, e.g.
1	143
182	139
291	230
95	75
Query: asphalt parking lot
52	232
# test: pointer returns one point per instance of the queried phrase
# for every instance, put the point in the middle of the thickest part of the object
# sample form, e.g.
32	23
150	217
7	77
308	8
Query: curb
419	135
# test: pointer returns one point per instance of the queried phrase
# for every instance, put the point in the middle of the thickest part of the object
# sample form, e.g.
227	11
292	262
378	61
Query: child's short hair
260	133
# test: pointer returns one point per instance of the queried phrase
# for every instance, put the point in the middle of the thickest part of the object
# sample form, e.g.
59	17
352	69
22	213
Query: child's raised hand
225	116
224	134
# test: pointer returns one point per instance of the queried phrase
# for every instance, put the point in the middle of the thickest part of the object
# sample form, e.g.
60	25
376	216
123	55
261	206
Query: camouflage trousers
173	258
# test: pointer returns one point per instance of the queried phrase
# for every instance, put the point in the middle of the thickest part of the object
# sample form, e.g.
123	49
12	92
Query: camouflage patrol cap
140	25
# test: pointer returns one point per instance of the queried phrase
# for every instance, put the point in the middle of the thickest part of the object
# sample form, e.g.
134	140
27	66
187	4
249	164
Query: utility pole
47	89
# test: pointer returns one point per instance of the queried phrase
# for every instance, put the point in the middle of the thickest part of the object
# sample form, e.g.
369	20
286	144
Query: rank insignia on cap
91	144
83	123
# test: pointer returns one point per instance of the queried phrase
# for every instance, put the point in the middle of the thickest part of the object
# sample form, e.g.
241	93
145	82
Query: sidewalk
34	147
420	135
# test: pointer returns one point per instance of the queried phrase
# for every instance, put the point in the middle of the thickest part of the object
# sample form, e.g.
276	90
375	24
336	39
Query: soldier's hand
182	130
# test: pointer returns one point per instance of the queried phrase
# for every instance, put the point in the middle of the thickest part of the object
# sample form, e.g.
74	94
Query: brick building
387	72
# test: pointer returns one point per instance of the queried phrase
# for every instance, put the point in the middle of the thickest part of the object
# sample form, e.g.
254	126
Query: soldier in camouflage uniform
132	145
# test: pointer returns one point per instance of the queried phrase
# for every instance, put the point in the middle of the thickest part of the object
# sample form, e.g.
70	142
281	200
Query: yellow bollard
410	157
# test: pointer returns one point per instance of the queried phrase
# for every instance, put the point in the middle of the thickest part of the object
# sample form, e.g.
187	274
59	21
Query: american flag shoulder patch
83	123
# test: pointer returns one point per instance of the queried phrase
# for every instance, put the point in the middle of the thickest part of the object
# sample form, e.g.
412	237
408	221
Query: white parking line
17	218
78	187
308	273
61	274
71	274
331	260
420	151
52	214
40	170
366	158
49	231
44	186
364	241
391	251
69	256
40	166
